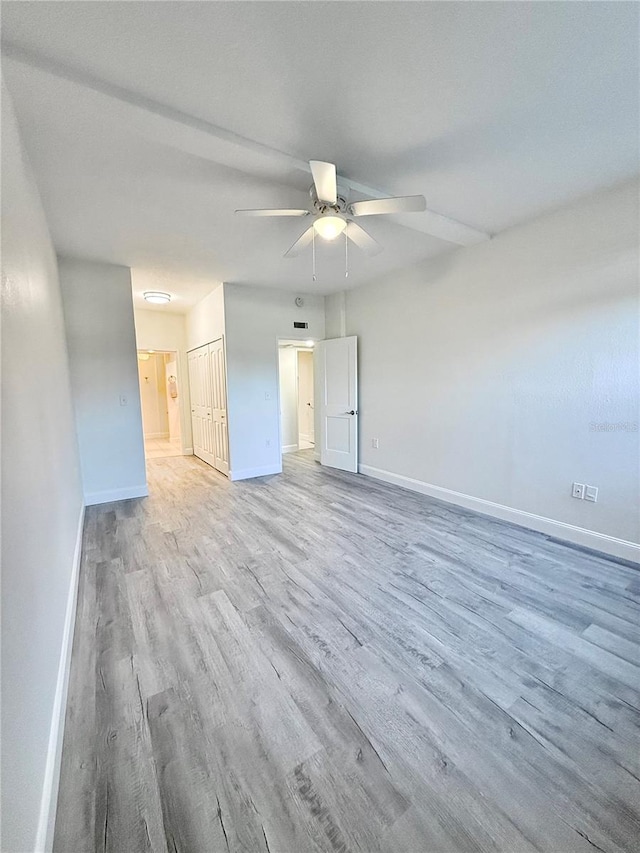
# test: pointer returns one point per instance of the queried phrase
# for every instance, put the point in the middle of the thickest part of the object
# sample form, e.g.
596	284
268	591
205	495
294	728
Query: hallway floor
317	661
157	448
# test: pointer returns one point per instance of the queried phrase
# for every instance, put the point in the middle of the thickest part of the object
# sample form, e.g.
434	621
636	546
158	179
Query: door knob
352	412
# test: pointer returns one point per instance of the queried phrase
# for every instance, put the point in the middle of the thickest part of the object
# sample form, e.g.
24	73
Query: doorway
297	405
159	397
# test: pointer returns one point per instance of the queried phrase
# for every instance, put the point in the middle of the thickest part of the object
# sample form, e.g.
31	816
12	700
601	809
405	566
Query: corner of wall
335	312
47	819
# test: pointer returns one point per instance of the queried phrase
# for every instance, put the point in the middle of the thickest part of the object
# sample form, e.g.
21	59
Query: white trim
560	529
111	495
289	448
316	456
248	473
49	800
187	451
149	436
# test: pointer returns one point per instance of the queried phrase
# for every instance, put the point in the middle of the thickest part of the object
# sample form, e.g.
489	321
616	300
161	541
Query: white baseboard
187	451
289	448
558	529
151	435
48	803
308	438
316	456
249	473
111	495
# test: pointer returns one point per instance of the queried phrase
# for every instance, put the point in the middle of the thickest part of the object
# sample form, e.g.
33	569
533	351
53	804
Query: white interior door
337	362
208	386
198	401
218	378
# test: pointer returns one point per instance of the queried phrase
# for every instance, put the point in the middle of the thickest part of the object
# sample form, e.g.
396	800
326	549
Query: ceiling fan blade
400	204
363	240
284	211
324	177
301	243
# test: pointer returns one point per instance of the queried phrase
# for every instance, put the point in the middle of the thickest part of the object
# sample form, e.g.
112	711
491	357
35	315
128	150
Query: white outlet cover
577	491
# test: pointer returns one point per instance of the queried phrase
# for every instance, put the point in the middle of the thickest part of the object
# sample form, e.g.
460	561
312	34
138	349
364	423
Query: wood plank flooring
321	662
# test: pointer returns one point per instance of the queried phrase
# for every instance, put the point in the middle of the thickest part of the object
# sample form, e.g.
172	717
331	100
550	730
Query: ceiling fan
333	214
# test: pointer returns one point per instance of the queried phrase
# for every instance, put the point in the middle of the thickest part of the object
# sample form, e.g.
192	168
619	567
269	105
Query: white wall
205	322
98	309
483	371
167	332
288	372
254	320
42	507
173	403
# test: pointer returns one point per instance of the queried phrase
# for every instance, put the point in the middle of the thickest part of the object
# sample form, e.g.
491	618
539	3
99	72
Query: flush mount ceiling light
157	297
329	226
308	343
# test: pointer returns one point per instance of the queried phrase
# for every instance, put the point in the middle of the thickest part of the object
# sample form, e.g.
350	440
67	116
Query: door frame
184	399
299	343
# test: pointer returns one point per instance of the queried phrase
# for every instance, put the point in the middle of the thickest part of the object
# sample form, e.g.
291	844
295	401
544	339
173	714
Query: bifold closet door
208	386
198	404
218	379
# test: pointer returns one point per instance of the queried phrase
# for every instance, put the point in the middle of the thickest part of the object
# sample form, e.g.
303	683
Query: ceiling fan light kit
329	226
333	214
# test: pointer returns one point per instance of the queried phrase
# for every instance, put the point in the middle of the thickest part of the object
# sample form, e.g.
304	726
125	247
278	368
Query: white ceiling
149	123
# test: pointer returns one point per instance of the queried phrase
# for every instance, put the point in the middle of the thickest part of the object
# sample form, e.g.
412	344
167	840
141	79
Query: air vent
300	325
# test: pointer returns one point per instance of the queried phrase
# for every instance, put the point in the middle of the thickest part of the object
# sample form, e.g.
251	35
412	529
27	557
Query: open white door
337	365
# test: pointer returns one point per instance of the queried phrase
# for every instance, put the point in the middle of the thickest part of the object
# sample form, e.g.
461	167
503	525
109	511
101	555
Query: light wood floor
157	448
320	662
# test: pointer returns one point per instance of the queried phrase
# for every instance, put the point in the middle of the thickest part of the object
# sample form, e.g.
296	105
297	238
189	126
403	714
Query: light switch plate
591	493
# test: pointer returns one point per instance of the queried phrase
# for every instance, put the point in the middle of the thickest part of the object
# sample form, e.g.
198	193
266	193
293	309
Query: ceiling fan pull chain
346	253
313	253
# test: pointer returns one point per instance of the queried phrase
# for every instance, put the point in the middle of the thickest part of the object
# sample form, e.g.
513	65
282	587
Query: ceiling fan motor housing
339	207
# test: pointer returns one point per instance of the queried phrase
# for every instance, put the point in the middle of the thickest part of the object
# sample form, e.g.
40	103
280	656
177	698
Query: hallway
320	662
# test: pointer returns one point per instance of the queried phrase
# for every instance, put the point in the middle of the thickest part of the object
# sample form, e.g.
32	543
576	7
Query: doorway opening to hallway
159	397
296	386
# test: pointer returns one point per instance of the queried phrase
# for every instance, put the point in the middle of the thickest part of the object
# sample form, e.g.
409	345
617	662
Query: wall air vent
300	325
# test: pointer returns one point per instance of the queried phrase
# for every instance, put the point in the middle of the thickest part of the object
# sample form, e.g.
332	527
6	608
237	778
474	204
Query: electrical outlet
375	443
577	491
123	400
267	443
591	493
267	396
